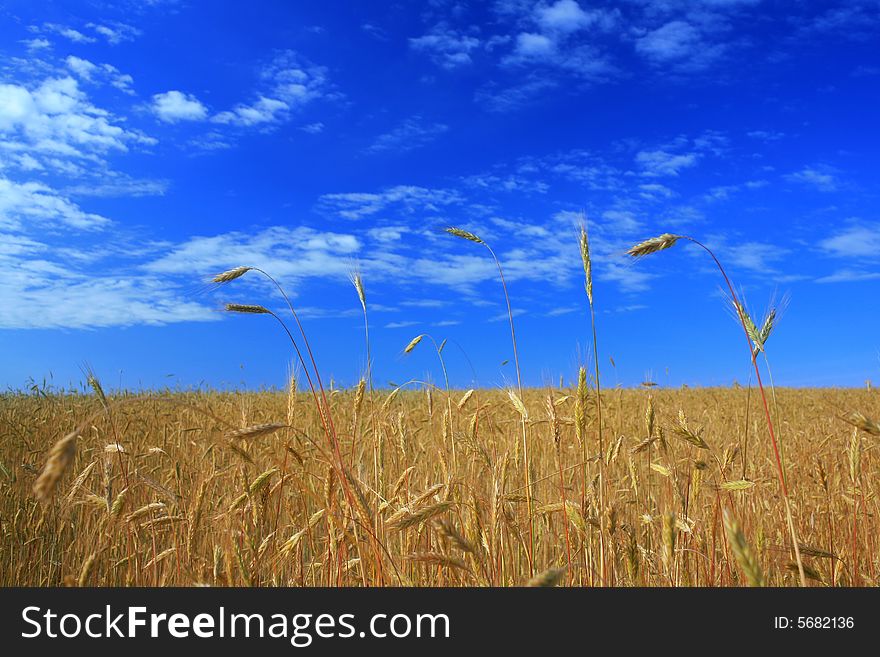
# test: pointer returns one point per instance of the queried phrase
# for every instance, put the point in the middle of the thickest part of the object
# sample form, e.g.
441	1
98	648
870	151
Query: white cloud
821	177
567	16
530	45
408	198
540	50
90	72
30	204
57	119
69	33
766	135
674	40
294	252
41	294
115	33
682	46
663	163
655	190
859	240
211	141
173	106
37	44
264	110
849	276
446	47
621	221
82	67
757	257
115	185
507	99
290	84
565	310
413	133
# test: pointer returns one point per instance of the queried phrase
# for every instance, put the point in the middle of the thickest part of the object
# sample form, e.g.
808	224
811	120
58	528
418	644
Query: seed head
458	232
588	263
246	308
413	343
653	245
230	275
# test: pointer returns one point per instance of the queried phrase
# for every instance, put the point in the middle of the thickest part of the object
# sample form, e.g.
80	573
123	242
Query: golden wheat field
429	488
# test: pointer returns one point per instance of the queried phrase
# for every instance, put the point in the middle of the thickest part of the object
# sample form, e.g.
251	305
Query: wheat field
425	485
437	499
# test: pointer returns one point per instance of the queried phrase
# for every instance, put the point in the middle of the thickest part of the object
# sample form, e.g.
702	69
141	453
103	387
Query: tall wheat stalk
463	234
588	286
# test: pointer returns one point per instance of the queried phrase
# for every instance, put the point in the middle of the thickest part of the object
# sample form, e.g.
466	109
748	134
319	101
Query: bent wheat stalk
668	240
463	234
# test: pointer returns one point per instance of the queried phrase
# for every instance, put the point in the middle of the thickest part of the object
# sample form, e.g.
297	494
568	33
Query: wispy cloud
820	177
68	33
663	163
413	133
115	32
33	204
447	47
849	276
100	73
408	198
858	240
288	83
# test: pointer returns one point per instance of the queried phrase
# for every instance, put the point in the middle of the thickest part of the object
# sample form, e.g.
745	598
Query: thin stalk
525	442
457	232
602	565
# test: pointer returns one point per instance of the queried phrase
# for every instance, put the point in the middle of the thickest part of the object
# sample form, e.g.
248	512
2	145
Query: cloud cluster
286	85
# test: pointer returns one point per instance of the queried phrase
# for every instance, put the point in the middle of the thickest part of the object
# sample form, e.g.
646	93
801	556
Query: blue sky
145	146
